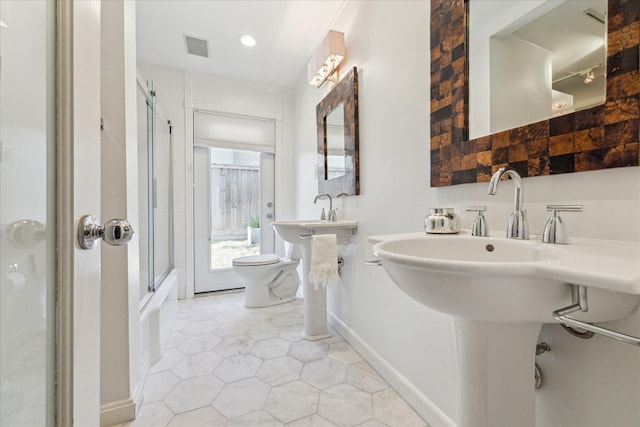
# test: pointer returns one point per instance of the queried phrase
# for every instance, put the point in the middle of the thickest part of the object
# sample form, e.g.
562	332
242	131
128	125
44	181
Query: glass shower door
155	191
27	215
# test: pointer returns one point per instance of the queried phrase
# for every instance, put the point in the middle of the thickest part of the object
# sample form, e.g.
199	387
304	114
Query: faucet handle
565	208
479	227
554	229
475	208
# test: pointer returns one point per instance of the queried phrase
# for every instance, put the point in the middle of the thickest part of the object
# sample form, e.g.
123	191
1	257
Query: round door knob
115	232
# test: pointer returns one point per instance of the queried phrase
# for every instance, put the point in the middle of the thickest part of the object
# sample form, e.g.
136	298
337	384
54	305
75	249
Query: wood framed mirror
337	128
605	136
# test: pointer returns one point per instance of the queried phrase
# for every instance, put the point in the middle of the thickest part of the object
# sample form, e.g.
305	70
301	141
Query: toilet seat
264	259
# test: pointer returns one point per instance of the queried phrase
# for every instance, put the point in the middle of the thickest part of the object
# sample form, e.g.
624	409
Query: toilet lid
264	259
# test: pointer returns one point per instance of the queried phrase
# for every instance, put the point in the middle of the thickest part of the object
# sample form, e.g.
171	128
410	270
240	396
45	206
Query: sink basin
299	232
500	291
506	280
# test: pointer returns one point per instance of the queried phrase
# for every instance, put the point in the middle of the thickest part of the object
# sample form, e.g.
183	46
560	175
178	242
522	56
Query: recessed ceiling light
247	40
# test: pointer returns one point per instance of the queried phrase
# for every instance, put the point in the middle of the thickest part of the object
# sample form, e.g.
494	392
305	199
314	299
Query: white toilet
268	279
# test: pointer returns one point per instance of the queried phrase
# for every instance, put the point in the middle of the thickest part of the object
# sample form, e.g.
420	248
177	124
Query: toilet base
282	289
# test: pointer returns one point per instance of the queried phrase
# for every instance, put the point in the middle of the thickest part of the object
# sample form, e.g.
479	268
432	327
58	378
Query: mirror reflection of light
590	77
247	40
561	103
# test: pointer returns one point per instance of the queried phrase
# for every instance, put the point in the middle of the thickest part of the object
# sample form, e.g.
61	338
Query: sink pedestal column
496	382
315	302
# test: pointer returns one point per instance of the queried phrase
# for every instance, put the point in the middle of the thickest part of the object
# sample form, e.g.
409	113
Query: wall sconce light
325	60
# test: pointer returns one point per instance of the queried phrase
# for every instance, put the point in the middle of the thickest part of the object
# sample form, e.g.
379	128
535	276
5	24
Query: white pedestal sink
500	292
299	232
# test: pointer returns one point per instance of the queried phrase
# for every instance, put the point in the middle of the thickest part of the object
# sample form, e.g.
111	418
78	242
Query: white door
49	177
80	195
233	190
267	200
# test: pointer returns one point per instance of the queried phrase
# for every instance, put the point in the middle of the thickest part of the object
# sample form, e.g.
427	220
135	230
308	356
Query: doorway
233	208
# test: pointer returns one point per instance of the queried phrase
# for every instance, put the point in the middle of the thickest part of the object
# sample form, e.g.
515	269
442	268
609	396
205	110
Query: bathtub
156	320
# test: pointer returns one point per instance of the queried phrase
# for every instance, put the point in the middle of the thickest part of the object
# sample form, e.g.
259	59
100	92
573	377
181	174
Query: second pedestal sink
500	292
300	232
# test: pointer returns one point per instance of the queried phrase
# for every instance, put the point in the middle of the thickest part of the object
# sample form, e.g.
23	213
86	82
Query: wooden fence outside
235	196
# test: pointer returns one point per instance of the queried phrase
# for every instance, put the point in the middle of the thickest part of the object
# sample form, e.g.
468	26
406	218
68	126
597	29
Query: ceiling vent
196	46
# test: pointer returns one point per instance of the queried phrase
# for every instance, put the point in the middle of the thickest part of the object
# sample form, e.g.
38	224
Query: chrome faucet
517	227
332	214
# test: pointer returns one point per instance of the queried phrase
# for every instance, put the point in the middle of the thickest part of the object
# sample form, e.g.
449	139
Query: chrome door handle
115	232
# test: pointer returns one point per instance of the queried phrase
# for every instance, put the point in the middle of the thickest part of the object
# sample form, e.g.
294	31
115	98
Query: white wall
588	383
525	69
120	376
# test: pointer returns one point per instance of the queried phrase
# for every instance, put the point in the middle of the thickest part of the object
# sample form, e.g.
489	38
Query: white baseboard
117	412
418	401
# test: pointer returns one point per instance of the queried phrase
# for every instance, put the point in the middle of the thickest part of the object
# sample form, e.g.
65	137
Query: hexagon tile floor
227	365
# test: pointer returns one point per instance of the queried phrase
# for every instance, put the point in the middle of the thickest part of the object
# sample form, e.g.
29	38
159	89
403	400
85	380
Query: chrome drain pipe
541	348
539	377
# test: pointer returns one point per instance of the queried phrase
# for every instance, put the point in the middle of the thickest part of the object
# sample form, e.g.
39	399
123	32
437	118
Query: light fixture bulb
590	77
247	40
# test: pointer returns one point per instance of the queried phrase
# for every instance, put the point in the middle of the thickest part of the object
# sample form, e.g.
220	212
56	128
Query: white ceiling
287	33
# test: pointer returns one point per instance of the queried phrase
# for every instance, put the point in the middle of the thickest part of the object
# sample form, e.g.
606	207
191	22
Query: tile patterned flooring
227	365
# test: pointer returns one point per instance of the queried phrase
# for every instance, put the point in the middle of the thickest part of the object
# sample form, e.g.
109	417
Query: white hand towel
324	260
